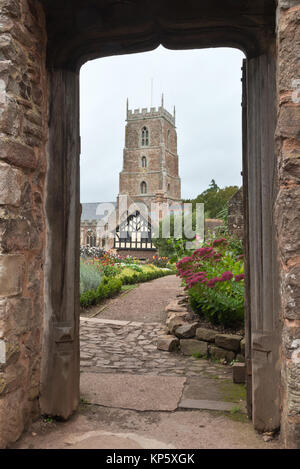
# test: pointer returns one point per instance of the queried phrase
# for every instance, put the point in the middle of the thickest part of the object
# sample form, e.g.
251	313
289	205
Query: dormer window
145	137
144	162
143	187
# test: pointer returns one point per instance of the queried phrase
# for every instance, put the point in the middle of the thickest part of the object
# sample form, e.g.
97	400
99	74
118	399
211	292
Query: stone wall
236	214
211	226
287	211
23	98
195	340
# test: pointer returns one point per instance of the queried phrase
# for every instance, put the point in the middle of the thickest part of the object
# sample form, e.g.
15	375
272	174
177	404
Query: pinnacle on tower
162	100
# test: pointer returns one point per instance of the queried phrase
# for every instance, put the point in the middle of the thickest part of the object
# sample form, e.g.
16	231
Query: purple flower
227	276
239	278
211	283
219	241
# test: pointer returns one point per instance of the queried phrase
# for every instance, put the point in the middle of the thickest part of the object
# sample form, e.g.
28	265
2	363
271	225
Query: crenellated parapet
153	112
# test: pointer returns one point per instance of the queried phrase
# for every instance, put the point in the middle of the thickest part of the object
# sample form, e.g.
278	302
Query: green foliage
199	355
135	267
223	215
214	276
215	202
214	199
222	305
90	277
110	270
108	288
131	276
111	285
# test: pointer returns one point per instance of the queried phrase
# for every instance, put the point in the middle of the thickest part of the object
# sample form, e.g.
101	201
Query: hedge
149	272
108	288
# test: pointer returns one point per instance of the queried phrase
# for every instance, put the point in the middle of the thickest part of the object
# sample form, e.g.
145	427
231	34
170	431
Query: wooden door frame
79	32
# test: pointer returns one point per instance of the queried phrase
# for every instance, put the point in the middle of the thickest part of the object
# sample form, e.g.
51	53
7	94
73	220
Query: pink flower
227	276
219	241
202	251
239	278
211	283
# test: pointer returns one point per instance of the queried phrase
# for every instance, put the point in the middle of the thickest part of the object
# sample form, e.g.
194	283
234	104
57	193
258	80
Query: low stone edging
194	340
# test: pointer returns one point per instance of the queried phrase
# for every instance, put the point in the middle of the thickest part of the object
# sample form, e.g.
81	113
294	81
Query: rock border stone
194	340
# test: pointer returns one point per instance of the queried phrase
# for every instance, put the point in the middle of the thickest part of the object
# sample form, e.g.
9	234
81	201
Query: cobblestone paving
109	346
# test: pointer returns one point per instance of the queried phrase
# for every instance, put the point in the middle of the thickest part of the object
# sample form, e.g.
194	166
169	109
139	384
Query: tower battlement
153	112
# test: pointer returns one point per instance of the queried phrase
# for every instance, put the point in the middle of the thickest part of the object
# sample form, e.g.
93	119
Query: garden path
146	303
135	396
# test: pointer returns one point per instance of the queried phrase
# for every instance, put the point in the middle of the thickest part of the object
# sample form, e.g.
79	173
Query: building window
169	140
144	162
145	137
169	187
143	187
91	239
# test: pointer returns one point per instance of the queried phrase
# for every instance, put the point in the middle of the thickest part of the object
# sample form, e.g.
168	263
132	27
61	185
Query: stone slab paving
206	405
136	392
130	347
122	340
119	362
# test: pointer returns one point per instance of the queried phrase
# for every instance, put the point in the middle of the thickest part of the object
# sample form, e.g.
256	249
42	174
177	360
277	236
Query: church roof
89	211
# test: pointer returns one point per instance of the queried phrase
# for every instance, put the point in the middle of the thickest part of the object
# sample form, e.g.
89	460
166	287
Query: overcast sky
205	87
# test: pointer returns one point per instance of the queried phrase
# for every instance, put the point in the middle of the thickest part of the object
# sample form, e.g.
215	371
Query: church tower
150	160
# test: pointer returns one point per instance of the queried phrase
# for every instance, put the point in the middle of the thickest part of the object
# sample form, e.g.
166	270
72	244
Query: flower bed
103	278
214	279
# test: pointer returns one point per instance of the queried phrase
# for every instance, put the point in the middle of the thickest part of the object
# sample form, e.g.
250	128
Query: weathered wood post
60	364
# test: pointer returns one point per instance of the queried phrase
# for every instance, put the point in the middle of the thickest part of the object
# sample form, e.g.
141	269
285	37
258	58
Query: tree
214	199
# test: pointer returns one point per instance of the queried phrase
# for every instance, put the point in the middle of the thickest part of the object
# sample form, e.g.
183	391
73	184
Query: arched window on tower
144	162
143	187
145	137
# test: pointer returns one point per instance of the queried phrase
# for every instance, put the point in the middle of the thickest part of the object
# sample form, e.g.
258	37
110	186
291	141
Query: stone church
150	175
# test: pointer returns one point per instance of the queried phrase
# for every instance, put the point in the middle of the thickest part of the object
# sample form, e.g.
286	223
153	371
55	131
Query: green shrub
214	277
111	270
90	277
145	273
219	306
108	288
88	298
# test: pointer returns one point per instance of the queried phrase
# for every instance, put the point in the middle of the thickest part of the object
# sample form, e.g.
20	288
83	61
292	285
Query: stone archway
81	30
